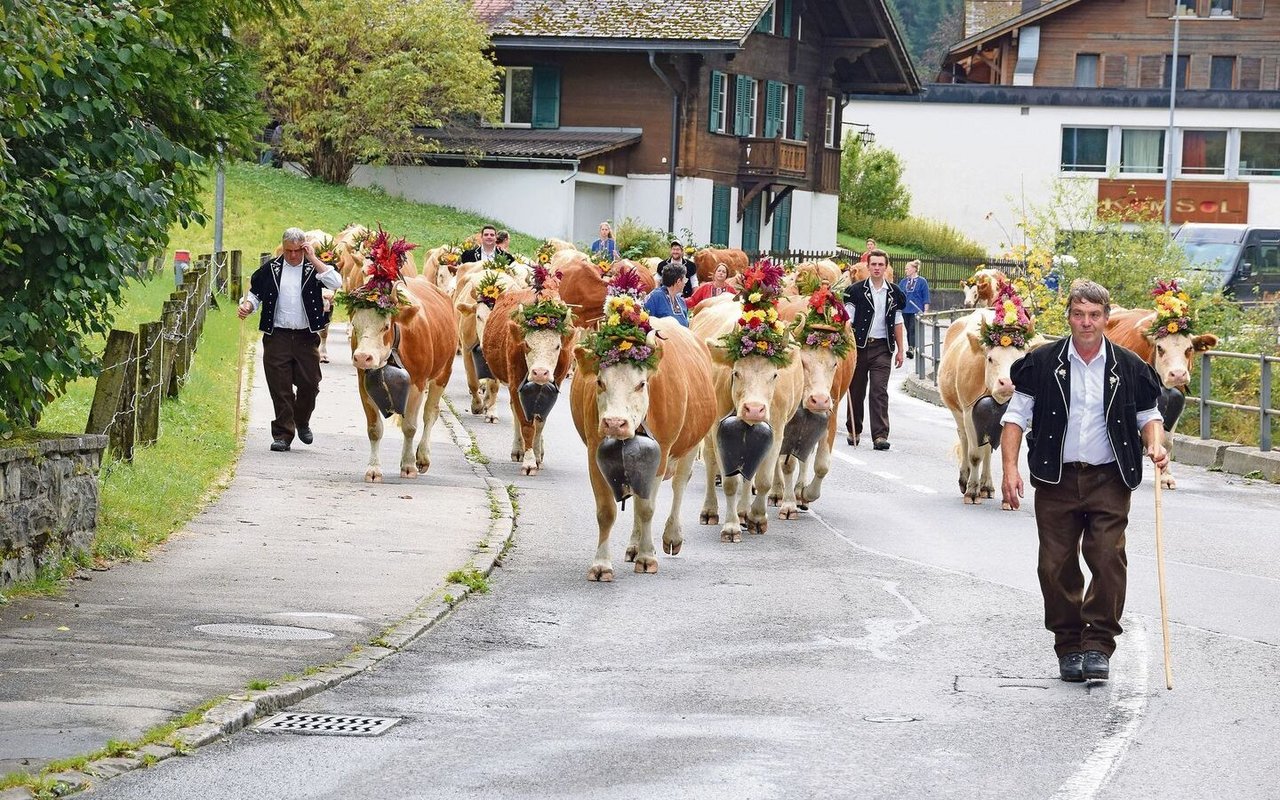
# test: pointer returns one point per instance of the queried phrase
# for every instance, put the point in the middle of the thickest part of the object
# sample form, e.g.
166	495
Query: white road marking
921	489
857	462
888	476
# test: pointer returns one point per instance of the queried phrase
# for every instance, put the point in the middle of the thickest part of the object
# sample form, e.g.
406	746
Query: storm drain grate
327	724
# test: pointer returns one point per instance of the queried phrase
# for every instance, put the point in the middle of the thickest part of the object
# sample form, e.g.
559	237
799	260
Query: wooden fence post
178	373
236	282
151	374
115	397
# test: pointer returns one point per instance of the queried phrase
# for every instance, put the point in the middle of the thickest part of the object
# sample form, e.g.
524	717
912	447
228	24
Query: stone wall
48	502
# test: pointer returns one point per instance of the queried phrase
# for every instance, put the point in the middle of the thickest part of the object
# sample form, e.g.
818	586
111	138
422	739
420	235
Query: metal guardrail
931	329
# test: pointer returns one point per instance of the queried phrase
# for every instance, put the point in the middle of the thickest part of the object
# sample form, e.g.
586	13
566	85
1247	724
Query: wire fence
141	368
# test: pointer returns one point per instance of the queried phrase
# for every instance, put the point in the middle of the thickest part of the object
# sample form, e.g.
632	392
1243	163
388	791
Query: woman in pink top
719	285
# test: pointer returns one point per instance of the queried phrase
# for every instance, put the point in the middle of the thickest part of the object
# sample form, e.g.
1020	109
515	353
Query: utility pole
1168	137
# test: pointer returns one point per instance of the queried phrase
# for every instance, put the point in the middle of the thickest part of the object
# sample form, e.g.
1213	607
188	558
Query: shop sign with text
1193	201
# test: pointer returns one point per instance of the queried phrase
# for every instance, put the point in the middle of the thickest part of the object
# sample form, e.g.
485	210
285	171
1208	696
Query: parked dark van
1243	259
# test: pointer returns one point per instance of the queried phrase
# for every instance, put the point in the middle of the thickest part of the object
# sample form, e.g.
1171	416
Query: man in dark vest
486	250
288	290
1090	407
690	268
875	307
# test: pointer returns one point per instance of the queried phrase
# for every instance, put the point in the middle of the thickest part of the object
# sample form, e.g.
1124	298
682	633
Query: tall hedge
109	112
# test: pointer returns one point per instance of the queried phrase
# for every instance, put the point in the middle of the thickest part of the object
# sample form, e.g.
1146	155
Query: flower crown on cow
545	252
452	255
759	331
1011	325
384	259
1173	310
622	336
547	312
824	322
490	287
327	251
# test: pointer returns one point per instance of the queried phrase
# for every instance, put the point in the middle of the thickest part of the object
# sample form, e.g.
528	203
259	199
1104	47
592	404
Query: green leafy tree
351	81
108	112
871	181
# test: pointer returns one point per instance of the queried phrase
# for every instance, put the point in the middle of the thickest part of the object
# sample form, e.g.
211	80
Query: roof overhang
613	45
980	38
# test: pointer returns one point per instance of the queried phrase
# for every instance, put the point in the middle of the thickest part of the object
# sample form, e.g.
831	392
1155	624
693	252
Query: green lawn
147	500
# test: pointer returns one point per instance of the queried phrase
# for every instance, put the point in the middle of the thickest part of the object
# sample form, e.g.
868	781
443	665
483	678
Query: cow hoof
972	500
789	513
1169	483
733	536
757	526
775	500
631	554
490	418
646	565
1006	507
373	476
964	485
988	492
408	472
601	574
709	518
672	548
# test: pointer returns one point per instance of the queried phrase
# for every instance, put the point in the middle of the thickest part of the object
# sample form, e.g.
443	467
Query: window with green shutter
786	18
546	97
744	105
751	225
773	103
765	25
716	98
721	197
782	225
799	128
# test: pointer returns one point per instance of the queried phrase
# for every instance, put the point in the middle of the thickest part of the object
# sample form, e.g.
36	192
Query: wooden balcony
829	170
778	160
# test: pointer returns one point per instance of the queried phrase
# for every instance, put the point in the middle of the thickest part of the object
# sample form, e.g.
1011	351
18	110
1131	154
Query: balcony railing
773	158
829	170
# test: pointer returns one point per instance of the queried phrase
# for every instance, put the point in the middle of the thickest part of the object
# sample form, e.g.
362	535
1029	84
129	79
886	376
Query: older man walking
288	290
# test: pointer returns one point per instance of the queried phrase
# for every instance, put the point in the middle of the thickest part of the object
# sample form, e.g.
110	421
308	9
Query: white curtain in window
1142	151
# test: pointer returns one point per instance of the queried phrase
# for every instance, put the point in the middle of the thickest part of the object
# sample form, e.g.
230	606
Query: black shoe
881	444
1097	667
279	446
911	353
852	439
1071	667
304	433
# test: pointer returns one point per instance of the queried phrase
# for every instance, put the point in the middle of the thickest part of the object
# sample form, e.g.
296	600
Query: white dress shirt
1086	438
880	297
289	311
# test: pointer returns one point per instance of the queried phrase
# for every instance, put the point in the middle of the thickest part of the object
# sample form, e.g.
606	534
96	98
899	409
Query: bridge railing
931	328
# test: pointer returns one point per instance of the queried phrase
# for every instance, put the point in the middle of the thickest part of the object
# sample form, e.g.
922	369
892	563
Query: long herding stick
1164	605
239	376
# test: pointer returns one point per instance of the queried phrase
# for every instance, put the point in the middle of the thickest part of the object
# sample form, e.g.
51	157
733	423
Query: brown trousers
291	358
871	375
1084	514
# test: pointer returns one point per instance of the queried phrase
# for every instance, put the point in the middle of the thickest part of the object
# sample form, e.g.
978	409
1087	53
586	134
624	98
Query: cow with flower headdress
639	403
403	338
474	297
827	356
759	384
980	288
973	379
528	345
1166	337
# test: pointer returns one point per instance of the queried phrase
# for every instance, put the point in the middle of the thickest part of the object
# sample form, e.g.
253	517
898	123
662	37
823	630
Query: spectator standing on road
690	269
606	245
916	291
1091	408
486	249
866	254
875	307
667	300
288	290
718	286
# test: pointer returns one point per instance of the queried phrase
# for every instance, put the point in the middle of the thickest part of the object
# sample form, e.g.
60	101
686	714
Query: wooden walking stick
1164	605
239	376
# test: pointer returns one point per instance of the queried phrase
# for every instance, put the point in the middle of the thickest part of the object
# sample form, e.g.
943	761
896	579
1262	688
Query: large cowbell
537	399
802	433
1170	402
482	367
986	420
630	465
742	446
388	388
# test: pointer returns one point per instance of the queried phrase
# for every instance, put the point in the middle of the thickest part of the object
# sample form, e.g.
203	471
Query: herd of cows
473	308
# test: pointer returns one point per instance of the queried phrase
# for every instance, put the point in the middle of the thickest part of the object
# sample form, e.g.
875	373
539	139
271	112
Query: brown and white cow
472	317
583	287
541	357
428	334
707	258
1170	355
673	405
826	382
811	271
969	370
435	270
981	287
755	390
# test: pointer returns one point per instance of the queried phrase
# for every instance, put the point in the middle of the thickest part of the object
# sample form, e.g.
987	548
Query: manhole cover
252	631
891	718
327	724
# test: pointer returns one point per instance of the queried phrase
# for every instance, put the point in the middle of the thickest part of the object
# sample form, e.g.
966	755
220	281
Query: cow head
622	391
997	362
752	379
981	288
542	350
820	365
1171	356
371	334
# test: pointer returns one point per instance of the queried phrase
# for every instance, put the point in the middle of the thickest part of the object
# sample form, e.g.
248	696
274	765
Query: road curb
237	712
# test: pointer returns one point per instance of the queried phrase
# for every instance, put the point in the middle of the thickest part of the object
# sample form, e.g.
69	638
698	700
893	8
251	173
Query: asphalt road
887	644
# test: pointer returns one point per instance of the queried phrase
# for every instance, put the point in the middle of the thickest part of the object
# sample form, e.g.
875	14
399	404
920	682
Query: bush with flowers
1173	310
1011	325
824	322
759	331
622	336
382	290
